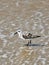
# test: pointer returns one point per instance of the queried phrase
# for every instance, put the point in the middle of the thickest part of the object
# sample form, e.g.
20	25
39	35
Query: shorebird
28	36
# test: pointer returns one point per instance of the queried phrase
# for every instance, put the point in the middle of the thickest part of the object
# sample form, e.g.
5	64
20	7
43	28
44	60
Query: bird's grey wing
24	36
36	36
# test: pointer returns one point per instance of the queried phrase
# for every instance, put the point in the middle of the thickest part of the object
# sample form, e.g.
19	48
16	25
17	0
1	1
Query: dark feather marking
29	36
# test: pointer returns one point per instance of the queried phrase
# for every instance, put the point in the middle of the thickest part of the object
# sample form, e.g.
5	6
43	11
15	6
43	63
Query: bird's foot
29	43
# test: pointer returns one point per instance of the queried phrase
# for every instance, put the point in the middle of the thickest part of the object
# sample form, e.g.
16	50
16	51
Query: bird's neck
20	34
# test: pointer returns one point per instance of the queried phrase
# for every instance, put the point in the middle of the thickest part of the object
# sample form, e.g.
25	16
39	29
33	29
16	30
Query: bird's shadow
34	45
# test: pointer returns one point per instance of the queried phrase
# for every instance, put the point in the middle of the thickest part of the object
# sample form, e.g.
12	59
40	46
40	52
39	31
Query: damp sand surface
27	15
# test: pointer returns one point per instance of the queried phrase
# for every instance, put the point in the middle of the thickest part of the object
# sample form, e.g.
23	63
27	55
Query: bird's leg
30	42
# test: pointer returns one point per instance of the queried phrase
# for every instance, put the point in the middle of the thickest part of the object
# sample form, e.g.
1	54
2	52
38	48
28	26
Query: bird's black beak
15	33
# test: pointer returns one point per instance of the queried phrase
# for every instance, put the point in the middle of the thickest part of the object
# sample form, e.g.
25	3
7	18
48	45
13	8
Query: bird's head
18	32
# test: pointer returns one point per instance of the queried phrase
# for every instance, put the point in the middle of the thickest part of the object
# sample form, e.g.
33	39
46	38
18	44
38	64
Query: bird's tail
37	36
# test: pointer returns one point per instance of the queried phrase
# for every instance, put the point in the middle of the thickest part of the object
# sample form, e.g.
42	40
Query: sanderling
28	36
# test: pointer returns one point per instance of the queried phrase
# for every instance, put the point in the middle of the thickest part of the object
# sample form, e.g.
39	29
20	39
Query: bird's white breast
20	35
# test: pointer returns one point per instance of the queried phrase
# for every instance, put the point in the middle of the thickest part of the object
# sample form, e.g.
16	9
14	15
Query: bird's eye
18	31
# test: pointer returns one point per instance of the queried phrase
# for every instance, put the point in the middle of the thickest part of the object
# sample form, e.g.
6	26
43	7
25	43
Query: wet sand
27	15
